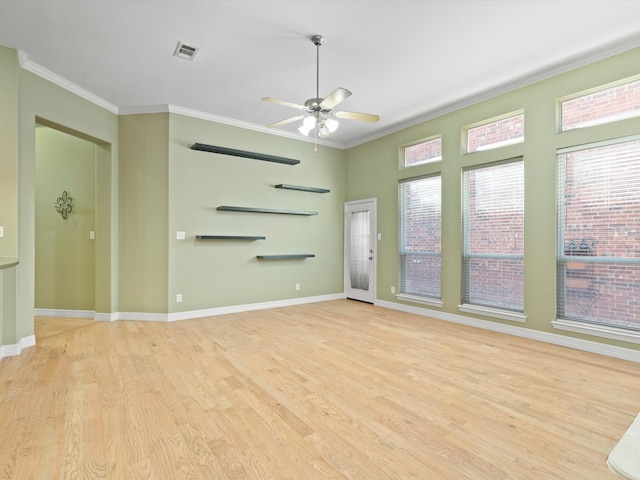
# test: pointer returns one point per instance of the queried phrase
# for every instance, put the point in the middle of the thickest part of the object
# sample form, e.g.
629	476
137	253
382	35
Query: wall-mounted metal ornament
64	204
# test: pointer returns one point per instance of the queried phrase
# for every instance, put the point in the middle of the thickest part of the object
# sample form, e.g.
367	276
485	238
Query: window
493	229
604	105
599	234
421	232
424	151
497	132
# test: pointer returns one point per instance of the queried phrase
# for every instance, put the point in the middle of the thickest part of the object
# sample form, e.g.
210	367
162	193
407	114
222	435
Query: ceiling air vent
185	51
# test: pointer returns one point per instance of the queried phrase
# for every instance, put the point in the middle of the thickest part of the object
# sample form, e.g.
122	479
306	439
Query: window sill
493	312
597	330
432	302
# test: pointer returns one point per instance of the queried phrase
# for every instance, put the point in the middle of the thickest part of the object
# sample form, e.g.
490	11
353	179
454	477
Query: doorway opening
68	264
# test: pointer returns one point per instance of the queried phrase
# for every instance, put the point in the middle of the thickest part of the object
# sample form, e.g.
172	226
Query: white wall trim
210	117
553	338
597	330
493	312
570	64
212	312
105	317
56	79
432	302
16	348
559	68
52	312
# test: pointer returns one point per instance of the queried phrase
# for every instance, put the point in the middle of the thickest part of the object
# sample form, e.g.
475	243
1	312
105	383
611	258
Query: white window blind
421	233
599	234
493	229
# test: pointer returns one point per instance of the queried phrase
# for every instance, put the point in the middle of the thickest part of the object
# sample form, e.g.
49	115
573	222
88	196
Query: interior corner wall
41	101
143	185
373	171
220	273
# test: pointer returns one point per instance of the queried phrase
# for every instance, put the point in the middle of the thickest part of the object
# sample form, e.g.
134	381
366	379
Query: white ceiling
403	60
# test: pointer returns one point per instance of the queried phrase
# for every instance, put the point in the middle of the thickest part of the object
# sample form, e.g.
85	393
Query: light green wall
65	255
372	171
9	151
43	102
150	185
165	187
223	272
143	185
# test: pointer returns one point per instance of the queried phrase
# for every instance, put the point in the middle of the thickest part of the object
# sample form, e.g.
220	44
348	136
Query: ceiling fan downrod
317	41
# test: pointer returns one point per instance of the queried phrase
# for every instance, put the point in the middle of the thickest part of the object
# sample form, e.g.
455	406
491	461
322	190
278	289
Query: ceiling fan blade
338	95
285	121
286	104
363	117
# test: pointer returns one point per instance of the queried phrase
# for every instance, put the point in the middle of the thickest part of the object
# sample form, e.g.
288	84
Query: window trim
596	330
589	91
408	297
401	151
493	312
464	140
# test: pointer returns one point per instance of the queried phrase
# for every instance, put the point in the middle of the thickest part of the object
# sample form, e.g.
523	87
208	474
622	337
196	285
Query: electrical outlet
180	235
1	232
92	235
393	289
179	298
297	286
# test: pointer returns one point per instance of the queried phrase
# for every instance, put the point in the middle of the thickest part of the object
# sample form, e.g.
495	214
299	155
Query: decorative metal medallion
64	204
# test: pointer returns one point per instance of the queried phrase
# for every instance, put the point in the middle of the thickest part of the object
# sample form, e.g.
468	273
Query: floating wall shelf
264	210
285	257
301	188
241	153
230	237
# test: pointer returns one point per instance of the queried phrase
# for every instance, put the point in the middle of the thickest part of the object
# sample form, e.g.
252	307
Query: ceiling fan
319	113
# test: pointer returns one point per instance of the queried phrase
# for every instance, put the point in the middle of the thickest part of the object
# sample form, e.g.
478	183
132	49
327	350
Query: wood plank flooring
49	326
334	390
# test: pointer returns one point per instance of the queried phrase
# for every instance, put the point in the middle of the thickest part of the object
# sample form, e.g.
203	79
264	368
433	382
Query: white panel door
360	250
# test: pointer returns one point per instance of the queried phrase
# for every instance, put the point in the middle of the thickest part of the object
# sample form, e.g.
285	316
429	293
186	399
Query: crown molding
56	79
568	65
573	63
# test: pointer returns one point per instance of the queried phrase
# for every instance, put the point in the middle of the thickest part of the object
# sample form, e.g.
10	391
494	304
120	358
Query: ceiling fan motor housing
313	105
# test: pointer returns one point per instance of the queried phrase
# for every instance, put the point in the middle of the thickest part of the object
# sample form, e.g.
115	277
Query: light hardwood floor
335	390
49	326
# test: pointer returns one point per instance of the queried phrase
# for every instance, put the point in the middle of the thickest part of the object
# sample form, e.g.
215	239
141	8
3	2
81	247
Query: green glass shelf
230	237
286	257
203	147
302	188
264	210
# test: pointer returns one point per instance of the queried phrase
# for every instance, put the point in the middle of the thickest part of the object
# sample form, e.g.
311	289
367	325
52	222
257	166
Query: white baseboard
553	338
212	312
52	312
187	315
16	348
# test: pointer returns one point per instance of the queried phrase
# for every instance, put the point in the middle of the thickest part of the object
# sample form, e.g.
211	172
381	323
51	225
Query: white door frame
370	295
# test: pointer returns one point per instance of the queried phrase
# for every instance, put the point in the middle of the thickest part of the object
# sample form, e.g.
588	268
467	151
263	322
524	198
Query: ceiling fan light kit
320	116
